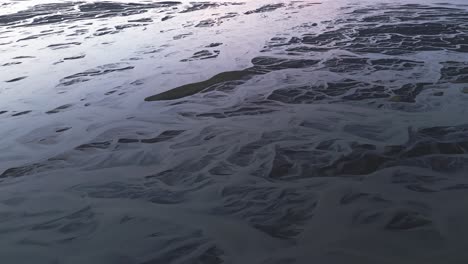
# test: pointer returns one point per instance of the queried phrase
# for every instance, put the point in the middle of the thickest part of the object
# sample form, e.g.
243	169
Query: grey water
264	132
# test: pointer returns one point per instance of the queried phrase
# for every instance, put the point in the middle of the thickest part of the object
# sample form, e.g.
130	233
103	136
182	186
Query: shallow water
233	132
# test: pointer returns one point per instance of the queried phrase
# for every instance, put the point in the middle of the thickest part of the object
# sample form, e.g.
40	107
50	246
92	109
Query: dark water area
265	132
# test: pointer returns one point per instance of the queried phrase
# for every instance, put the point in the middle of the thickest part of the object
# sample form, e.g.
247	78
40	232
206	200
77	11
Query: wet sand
233	132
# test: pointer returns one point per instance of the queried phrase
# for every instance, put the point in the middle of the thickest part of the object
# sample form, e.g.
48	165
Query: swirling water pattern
231	132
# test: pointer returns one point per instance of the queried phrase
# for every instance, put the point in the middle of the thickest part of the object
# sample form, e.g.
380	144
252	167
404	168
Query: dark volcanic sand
261	132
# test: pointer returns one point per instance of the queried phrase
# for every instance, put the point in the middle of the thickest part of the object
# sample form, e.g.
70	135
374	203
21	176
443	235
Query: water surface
233	132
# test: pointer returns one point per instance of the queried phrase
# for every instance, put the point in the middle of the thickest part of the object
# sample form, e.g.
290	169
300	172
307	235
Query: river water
261	132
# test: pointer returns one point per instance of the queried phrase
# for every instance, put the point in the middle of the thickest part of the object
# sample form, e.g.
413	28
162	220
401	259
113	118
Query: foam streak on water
233	132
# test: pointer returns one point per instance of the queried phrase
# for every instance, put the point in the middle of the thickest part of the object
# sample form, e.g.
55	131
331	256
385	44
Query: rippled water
233	132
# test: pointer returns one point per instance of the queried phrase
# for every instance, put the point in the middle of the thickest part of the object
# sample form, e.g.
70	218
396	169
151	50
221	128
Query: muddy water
233	132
